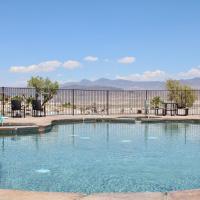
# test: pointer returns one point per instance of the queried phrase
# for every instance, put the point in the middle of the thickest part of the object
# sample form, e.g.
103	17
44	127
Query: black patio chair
38	109
17	110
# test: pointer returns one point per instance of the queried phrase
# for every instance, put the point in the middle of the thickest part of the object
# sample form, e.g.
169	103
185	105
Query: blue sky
70	40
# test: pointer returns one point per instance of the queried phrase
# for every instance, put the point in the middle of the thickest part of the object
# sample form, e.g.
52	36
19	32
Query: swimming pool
103	157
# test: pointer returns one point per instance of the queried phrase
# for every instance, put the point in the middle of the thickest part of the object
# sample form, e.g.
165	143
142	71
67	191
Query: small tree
183	95
44	87
18	98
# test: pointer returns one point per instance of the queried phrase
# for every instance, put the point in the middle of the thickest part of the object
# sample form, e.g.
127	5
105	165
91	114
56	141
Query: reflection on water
103	157
72	130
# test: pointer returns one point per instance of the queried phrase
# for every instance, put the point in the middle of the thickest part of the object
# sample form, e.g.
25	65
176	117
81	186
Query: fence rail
81	102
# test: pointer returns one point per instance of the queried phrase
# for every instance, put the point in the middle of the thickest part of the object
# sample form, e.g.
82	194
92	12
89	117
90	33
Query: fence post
185	97
107	102
146	97
146	107
72	101
182	98
3	101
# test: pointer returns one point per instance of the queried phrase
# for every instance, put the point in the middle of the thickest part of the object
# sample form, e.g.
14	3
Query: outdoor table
170	106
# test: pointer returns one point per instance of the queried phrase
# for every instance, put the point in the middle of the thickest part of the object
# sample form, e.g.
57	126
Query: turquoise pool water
103	157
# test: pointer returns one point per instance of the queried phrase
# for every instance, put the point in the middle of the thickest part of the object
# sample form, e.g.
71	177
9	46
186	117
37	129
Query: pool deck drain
30	195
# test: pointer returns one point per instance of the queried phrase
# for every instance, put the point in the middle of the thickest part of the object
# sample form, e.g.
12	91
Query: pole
72	101
185	98
3	100
107	102
146	96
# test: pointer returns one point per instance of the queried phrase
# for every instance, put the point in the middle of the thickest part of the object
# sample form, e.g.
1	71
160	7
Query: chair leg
43	110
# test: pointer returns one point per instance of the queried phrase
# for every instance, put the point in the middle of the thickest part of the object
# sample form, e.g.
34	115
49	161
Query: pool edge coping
9	194
12	126
47	126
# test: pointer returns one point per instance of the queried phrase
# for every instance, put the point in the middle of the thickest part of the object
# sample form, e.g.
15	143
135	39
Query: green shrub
183	95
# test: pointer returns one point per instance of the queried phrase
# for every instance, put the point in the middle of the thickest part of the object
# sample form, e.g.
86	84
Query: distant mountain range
119	84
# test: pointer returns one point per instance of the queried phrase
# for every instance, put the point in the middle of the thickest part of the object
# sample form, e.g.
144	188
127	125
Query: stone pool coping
44	124
31	195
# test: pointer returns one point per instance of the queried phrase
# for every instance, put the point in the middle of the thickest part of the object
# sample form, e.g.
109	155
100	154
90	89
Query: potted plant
156	102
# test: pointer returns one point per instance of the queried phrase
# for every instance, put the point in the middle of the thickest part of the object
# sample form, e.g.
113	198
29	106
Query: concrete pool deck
45	123
42	123
29	195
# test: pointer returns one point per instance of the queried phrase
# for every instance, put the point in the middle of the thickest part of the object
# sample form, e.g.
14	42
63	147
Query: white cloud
71	64
161	75
127	60
46	66
192	73
146	76
91	58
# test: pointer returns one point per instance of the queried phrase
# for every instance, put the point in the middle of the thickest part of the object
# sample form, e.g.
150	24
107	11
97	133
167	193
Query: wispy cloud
161	75
53	65
91	58
127	60
191	73
71	64
146	76
46	66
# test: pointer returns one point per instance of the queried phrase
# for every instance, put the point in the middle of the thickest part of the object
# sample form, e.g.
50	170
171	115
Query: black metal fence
93	102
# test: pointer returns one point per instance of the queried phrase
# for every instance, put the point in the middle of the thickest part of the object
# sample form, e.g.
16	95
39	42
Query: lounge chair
38	108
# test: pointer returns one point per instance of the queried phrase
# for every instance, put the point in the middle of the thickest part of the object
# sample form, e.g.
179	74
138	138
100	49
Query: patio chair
38	109
17	110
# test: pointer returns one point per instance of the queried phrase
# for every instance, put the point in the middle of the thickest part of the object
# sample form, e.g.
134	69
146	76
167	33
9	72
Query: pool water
103	157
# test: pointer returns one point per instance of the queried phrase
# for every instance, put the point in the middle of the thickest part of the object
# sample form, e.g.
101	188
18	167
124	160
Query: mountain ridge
120	84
